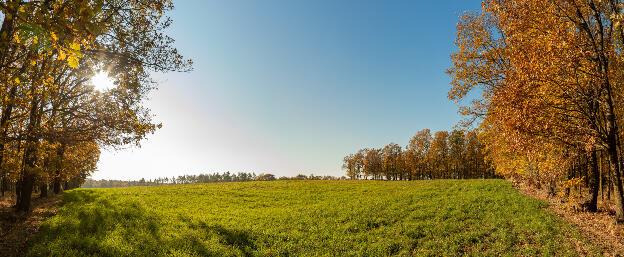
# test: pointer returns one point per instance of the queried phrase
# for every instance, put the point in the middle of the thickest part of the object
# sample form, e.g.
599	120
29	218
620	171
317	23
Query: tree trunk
4	120
56	186
18	185
27	180
30	159
3	185
580	176
592	204
570	171
601	174
614	166
59	165
551	188
26	187
43	188
609	188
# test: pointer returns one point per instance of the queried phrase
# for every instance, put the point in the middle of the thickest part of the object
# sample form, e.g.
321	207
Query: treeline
551	74
53	120
454	155
202	178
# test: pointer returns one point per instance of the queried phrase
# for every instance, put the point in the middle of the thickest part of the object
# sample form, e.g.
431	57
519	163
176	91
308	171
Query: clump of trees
53	122
271	177
201	178
551	74
455	155
184	179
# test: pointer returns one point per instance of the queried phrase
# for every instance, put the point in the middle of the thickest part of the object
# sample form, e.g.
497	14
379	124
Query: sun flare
102	82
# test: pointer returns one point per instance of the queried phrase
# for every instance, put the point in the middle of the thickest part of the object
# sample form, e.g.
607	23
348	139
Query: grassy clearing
305	218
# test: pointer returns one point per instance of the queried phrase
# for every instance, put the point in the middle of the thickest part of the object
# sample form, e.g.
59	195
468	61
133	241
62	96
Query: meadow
306	218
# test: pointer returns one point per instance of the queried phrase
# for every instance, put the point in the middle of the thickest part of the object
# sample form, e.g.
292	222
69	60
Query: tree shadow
80	196
240	239
94	224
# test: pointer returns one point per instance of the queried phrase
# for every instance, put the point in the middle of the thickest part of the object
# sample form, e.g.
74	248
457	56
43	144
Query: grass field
305	218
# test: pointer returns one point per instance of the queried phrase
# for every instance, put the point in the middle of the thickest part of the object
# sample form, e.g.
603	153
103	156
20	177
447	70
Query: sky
291	87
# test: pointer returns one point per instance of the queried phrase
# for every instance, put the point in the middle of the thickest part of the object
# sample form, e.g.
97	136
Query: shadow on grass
92	223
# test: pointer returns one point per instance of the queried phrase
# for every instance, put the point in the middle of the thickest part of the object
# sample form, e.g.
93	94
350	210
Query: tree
456	153
418	149
51	49
373	163
549	75
353	164
266	177
439	153
424	158
391	155
348	164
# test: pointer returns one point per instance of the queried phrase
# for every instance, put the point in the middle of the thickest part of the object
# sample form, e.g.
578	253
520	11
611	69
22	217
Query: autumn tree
439	153
353	164
418	150
373	163
550	75
49	106
391	154
424	157
456	153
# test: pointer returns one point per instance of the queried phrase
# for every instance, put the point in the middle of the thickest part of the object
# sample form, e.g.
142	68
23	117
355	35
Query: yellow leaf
75	46
72	61
16	37
17	80
61	55
54	36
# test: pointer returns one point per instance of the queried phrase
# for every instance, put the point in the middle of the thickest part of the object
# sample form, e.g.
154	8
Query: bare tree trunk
614	162
3	185
601	174
569	177
43	188
27	180
4	120
580	169
26	186
592	203
609	186
616	177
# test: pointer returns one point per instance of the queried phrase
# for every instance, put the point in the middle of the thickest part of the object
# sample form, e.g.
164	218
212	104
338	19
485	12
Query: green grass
305	218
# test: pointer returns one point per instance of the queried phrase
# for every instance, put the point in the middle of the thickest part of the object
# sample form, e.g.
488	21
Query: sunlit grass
305	218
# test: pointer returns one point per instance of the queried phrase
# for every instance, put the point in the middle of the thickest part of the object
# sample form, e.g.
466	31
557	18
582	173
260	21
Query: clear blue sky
291	87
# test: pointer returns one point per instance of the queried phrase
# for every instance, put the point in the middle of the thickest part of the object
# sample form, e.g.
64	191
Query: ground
599	228
16	229
309	218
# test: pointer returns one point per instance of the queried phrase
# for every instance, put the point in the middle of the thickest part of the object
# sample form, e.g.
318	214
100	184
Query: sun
102	82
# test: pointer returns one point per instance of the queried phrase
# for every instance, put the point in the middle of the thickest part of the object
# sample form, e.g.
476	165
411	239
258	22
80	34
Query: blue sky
291	87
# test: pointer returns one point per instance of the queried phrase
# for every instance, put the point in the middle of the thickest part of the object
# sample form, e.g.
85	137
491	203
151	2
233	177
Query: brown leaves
539	77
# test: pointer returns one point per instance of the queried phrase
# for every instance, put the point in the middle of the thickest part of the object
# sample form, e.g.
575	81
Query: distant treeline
202	178
455	155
